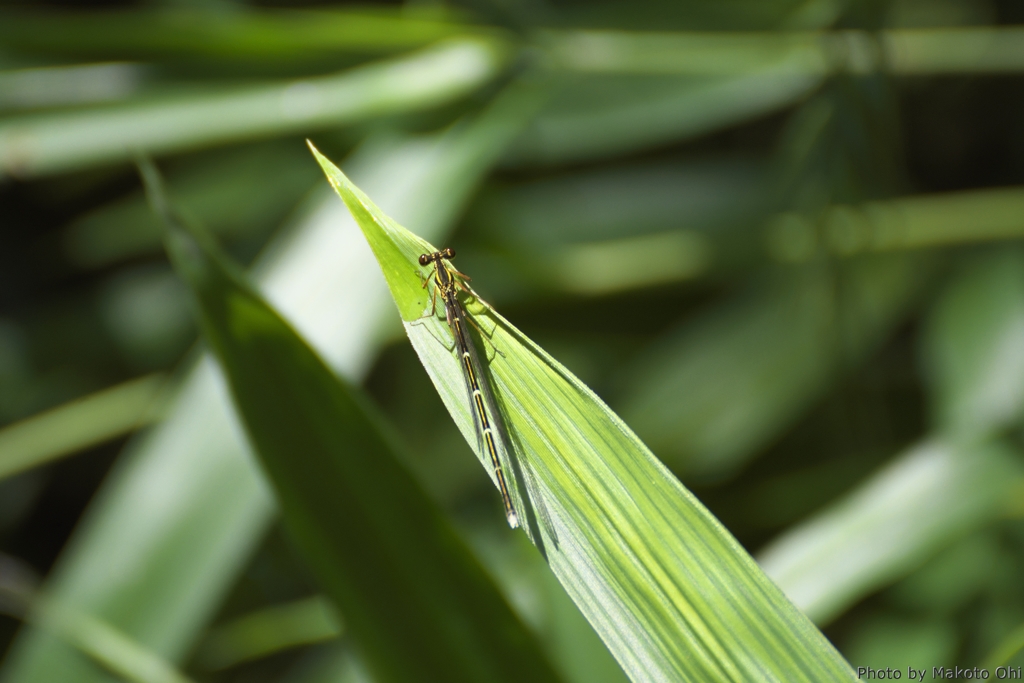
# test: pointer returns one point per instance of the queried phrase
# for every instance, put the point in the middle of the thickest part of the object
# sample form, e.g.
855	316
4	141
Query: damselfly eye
424	259
448	253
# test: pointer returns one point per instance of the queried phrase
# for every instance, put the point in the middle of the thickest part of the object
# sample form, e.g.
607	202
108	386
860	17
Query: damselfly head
446	253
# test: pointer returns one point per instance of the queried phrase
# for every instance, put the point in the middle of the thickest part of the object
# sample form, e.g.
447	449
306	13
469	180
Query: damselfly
486	417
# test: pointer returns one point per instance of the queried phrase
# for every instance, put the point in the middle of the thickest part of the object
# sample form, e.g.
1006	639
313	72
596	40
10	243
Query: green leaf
955	50
82	423
413	597
236	194
974	347
538	596
940	489
906	52
244	34
705	53
926	498
104	644
54	143
50	86
176	552
110	647
668	589
709	395
269	630
179	552
593	117
906	223
1008	648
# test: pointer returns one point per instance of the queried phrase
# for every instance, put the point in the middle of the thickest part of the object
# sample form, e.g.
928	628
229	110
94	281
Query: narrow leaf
413	597
927	497
39	145
947	50
939	489
251	34
906	223
708	396
974	347
592	118
103	643
668	589
179	552
80	424
110	647
237	194
269	630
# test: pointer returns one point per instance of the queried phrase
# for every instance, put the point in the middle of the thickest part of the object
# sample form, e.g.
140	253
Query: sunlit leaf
53	143
926	498
669	590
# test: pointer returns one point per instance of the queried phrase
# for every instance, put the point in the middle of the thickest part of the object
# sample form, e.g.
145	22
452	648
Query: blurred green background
781	238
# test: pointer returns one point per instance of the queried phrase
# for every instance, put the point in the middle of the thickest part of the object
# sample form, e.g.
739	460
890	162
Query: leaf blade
40	145
383	551
84	422
180	551
670	591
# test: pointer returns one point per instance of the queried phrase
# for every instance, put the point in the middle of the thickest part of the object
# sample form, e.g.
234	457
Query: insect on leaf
670	591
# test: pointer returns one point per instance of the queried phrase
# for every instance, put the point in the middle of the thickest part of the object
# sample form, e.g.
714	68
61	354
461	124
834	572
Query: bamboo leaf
906	223
382	550
79	424
668	589
54	143
179	551
927	497
110	647
252	34
66	85
597	117
103	643
975	347
708	396
903	52
942	488
239	193
269	630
